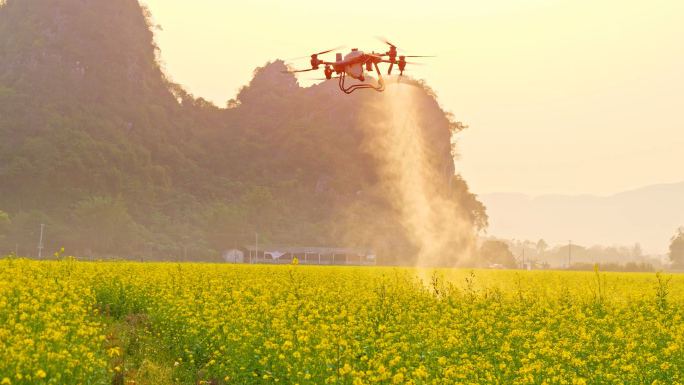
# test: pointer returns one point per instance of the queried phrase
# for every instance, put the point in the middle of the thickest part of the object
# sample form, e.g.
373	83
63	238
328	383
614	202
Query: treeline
512	253
628	267
117	161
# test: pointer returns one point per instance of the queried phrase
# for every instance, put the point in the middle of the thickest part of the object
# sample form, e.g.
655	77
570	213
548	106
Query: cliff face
91	128
92	52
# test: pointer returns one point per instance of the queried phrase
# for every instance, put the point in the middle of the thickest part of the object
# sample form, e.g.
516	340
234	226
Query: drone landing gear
355	87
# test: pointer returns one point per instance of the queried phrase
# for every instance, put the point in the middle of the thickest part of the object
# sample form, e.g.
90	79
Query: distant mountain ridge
648	215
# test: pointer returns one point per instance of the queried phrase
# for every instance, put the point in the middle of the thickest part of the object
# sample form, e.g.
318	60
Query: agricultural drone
356	62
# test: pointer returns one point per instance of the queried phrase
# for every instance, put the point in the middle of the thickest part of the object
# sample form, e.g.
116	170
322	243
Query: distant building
305	255
233	256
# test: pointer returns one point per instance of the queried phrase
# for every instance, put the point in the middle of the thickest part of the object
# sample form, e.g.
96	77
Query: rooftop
311	250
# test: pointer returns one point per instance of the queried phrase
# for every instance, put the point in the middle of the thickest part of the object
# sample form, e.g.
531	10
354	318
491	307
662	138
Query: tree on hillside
496	252
105	222
476	210
637	252
24	233
5	222
677	249
542	246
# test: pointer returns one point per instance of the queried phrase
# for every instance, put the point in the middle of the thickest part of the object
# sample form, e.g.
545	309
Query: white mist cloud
418	191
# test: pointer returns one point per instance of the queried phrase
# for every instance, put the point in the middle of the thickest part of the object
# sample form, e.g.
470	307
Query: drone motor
401	64
314	61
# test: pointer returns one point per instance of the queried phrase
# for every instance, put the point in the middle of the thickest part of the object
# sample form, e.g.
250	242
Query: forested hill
116	160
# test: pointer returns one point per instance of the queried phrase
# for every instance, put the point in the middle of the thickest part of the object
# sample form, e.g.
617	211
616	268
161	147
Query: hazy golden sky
571	97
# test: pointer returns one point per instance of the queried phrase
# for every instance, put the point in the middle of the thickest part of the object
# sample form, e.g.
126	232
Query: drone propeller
384	40
316	54
393	51
330	50
291	72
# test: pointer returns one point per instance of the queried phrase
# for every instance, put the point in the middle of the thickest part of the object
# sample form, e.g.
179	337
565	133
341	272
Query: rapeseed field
122	322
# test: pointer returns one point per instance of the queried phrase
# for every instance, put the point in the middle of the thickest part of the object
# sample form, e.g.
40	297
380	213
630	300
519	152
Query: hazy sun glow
570	97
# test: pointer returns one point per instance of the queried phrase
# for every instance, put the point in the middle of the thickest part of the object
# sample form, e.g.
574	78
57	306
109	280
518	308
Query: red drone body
356	62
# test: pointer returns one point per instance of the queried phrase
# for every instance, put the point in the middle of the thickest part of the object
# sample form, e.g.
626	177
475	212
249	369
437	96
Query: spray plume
413	182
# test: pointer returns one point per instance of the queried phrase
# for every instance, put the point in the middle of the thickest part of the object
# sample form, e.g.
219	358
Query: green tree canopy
5	221
496	252
676	253
105	222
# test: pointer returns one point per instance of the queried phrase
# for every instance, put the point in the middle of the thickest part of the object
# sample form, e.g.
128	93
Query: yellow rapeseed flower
378	325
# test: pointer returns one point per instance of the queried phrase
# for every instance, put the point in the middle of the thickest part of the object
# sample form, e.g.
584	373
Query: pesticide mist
419	191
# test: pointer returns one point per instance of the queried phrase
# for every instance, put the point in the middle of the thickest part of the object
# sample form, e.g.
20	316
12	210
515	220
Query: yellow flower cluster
48	329
239	324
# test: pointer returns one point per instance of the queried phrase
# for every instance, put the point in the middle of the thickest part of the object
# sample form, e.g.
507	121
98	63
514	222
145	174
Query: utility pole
569	252
40	245
256	248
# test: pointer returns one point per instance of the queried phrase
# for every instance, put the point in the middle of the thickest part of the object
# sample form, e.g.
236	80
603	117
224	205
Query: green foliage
105	223
662	290
184	323
676	253
5	222
496	252
609	258
118	161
